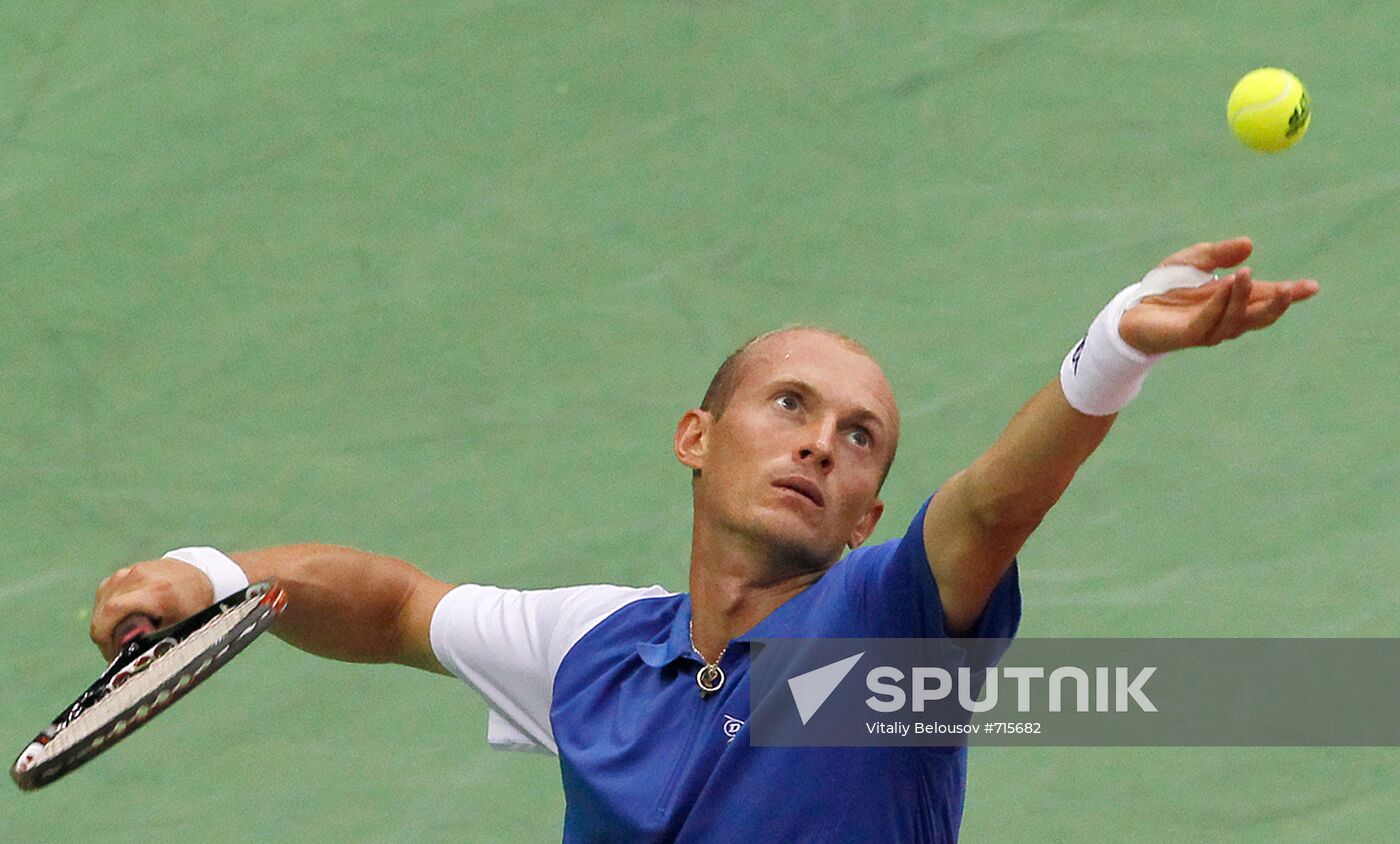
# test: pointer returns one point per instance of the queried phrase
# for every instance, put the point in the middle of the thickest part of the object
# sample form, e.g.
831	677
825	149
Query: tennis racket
152	670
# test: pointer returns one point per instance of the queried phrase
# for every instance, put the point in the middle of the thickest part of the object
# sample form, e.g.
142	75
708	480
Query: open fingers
1265	313
1212	311
1296	290
1239	300
1232	322
1272	299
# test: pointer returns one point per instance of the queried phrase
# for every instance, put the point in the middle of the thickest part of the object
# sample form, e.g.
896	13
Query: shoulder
901	560
644	617
543	622
585	608
880	590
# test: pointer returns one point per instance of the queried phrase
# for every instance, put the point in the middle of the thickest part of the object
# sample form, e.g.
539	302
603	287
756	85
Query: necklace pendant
709	679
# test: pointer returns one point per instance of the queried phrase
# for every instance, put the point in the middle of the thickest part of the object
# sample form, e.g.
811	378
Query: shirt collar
676	642
783	623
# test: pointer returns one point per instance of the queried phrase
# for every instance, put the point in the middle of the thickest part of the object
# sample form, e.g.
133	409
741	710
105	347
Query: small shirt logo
732	726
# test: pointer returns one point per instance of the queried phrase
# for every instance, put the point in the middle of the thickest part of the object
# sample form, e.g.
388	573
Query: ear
692	437
866	525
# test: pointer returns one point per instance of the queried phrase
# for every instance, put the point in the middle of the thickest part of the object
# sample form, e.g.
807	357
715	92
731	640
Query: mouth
803	487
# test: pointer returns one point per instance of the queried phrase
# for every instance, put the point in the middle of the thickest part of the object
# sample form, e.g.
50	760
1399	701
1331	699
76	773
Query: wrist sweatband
226	575
1102	373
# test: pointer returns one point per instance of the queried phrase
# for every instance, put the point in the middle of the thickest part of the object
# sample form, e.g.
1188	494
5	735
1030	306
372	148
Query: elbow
1010	522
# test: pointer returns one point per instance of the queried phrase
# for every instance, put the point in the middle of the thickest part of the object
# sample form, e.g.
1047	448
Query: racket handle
132	626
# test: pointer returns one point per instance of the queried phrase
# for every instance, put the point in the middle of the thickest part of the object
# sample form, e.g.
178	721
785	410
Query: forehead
842	374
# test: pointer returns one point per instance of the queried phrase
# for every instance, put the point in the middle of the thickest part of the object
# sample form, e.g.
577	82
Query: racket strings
183	658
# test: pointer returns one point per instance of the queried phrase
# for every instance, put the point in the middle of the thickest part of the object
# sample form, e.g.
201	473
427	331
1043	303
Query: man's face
796	458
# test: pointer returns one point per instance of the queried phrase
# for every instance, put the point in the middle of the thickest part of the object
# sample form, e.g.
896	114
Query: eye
788	401
861	437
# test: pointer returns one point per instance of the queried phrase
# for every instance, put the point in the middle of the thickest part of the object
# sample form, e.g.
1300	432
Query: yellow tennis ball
1269	109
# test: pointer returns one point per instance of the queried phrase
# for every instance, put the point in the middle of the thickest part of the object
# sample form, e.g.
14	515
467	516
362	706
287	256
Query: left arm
984	514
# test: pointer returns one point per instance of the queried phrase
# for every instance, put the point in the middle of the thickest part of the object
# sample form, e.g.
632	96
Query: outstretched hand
1217	311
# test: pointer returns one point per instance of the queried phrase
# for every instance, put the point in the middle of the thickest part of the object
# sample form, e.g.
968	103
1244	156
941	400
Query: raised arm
984	514
342	603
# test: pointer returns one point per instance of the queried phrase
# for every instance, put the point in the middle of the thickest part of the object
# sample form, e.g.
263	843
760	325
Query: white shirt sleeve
508	644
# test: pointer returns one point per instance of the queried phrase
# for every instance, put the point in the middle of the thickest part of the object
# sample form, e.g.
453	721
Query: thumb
1213	256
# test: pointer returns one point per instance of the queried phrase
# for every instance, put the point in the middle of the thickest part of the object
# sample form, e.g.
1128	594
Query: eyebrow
862	414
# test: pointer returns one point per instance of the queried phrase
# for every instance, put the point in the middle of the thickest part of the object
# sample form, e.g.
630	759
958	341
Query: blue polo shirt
645	758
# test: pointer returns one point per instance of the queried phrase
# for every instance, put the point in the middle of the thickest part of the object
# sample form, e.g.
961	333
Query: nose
815	447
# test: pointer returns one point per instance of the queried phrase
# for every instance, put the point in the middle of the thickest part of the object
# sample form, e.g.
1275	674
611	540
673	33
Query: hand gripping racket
153	669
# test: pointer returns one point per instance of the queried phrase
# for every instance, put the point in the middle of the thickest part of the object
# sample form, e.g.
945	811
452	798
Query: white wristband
1102	373
226	575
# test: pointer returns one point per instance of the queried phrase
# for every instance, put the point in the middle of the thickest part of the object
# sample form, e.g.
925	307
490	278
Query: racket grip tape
132	626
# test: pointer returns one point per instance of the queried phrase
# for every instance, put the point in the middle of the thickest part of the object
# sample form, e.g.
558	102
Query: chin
797	551
794	558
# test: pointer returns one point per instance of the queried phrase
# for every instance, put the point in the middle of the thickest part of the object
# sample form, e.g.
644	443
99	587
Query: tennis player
642	693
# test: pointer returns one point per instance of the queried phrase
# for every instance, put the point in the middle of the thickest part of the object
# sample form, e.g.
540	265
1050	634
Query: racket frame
39	764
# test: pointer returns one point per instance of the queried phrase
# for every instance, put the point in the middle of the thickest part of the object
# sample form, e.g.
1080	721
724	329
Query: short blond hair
726	379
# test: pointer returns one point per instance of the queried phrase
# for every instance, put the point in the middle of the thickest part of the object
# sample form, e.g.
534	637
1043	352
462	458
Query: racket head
149	673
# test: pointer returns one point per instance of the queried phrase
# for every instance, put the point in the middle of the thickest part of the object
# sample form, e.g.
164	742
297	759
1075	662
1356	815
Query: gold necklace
711	677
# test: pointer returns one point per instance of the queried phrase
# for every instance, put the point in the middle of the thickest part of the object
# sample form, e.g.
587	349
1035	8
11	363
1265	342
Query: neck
734	584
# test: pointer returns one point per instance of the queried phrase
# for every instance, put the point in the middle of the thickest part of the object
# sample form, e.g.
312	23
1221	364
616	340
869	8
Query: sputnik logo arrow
810	690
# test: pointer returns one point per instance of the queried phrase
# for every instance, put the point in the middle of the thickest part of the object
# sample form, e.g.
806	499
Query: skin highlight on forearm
1021	477
343	603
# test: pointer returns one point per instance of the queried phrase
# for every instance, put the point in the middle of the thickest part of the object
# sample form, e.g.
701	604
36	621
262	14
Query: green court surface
438	279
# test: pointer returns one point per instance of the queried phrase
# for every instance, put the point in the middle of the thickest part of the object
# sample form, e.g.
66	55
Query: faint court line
36	583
